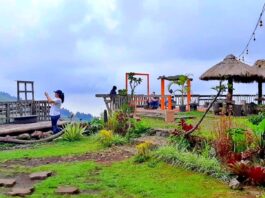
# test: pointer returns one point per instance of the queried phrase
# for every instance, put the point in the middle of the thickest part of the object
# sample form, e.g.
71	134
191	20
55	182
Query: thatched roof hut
231	68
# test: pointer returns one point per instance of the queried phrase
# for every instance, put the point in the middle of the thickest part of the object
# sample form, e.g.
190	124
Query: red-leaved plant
257	175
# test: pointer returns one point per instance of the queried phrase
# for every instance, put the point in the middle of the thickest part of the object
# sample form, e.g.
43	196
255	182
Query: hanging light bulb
247	51
243	58
260	23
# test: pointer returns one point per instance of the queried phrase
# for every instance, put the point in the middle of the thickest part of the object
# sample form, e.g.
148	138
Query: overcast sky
85	46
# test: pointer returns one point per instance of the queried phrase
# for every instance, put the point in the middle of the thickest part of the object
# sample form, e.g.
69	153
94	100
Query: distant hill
6	97
66	114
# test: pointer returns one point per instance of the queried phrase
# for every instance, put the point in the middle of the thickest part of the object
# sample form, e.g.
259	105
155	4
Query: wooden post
230	87
162	94
259	92
148	85
126	82
105	116
188	93
169	107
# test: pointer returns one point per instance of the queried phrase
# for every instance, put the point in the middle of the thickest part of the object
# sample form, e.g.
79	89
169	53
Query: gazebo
173	78
232	70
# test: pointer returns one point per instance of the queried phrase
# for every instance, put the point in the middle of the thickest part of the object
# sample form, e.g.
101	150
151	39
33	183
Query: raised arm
49	98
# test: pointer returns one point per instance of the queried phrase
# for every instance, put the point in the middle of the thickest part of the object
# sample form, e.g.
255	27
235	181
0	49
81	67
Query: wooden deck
14	129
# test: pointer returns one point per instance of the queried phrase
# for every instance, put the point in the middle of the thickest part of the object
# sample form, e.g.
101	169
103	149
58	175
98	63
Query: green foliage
180	142
73	132
191	160
94	126
258	131
134	82
107	138
119	123
143	152
256	119
122	92
238	138
137	129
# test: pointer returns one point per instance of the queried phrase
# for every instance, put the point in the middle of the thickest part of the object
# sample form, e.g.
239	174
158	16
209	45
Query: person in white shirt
55	110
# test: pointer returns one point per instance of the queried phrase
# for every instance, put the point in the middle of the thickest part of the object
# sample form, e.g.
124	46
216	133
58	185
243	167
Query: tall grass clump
73	132
192	161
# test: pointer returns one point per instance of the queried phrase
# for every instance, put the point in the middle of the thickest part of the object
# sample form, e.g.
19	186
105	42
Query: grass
205	130
56	148
129	180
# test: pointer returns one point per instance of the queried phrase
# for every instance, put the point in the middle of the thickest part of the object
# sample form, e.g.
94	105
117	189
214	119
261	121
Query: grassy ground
207	128
122	179
129	180
57	148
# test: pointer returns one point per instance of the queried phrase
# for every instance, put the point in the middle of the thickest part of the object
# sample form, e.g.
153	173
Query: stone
40	175
63	190
7	182
24	136
21	191
234	184
37	134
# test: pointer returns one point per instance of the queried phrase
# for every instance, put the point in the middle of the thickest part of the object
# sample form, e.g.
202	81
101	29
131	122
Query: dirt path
108	156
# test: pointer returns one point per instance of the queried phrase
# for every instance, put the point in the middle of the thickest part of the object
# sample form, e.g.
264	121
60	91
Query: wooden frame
139	74
25	91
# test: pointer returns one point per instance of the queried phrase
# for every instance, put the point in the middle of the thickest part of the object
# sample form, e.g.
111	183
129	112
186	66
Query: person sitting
153	102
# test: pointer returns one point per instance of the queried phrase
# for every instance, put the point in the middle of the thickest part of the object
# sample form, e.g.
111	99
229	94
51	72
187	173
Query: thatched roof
231	68
170	78
260	69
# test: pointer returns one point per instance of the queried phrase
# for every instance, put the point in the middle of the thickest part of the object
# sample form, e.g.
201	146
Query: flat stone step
64	190
7	182
21	191
40	175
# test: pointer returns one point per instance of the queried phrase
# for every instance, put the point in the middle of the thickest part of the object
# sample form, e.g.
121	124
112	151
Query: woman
56	104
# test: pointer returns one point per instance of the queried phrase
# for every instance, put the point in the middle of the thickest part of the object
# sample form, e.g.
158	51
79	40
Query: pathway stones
67	190
21	191
7	182
40	175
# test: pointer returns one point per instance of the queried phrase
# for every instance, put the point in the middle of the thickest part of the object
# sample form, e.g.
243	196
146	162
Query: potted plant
181	82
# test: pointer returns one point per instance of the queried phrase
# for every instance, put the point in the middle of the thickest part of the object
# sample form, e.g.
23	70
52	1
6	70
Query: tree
134	82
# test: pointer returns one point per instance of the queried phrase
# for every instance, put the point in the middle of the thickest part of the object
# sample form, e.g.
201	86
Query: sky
85	47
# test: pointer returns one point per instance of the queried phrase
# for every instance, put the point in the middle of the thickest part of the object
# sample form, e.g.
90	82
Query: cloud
86	46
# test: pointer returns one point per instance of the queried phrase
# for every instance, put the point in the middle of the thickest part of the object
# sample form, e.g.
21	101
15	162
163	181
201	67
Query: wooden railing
9	110
140	100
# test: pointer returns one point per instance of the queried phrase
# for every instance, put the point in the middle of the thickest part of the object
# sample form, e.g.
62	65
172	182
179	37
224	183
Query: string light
253	35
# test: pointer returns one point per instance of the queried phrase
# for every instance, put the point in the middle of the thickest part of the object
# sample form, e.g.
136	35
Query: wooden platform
14	129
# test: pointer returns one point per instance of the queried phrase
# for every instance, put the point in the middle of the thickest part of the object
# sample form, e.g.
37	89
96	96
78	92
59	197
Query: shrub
119	123
73	132
137	129
143	152
191	160
107	138
240	169
256	119
257	175
238	138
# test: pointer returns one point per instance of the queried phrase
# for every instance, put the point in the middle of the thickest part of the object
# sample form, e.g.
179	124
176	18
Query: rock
21	191
40	175
235	184
24	136
37	134
67	190
7	182
46	134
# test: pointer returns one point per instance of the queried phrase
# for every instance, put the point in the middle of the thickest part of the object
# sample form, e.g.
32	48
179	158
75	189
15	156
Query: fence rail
9	110
140	100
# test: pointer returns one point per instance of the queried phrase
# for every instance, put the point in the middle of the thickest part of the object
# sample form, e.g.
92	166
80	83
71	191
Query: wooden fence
9	110
140	100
